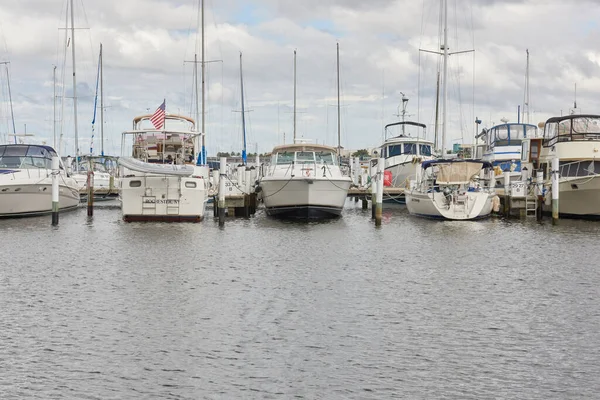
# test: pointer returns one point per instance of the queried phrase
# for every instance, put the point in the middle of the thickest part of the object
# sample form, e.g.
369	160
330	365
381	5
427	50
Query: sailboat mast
203	150
101	105
437	111
445	80
54	108
196	95
338	103
12	115
74	88
294	97
243	112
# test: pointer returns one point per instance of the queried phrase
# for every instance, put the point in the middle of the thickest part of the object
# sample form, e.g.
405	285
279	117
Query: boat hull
579	197
304	198
163	198
22	199
434	205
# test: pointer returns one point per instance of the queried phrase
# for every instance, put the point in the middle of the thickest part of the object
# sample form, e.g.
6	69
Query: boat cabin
571	128
510	134
23	156
173	144
409	141
304	154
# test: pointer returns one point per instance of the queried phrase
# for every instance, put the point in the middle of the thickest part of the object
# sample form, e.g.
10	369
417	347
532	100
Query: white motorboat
503	149
161	181
404	153
451	189
26	181
575	141
105	174
304	181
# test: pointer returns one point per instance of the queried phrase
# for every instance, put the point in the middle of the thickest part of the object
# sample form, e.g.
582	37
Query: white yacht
575	141
26	181
304	181
503	148
160	180
105	174
404	152
451	189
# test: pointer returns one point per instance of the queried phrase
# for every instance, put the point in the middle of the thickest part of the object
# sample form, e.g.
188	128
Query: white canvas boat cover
457	173
162	169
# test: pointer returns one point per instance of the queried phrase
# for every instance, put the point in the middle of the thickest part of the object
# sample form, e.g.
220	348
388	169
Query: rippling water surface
416	309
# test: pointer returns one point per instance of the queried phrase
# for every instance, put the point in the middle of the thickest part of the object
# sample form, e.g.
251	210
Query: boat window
16	150
190	184
305	157
587	126
285	158
410	148
394	150
501	133
10	161
37	151
135	183
424	150
325	158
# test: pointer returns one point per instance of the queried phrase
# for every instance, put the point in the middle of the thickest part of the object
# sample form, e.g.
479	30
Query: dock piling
539	188
222	178
55	190
507	197
90	193
373	175
555	184
379	205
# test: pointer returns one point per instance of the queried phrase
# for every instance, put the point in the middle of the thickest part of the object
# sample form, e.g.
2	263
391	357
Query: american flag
158	118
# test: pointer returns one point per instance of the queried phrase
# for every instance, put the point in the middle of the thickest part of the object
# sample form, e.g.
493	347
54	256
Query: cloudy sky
146	44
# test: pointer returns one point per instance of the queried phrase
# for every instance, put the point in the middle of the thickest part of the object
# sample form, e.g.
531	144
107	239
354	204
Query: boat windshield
572	128
305	157
325	157
26	156
285	158
424	149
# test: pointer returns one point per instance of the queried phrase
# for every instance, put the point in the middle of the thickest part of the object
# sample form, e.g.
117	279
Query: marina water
265	309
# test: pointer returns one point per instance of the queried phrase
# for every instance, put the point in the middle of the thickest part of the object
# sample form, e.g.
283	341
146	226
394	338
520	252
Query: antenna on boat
294	96
526	93
403	113
574	101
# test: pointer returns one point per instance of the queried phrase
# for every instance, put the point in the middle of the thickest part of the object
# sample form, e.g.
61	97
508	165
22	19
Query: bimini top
137	120
571	116
431	163
456	172
303	147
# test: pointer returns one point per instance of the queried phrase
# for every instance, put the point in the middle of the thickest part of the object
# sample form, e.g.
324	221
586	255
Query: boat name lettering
161	201
415	200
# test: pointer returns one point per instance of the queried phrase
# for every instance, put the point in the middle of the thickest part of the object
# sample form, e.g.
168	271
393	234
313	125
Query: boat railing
579	168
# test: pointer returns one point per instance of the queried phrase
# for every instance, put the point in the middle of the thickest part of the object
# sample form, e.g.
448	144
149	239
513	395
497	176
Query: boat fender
257	189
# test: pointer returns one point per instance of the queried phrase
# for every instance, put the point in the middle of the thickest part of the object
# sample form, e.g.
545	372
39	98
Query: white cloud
147	41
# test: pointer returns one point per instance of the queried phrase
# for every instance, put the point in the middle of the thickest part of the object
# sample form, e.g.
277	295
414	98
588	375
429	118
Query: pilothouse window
325	158
285	158
305	157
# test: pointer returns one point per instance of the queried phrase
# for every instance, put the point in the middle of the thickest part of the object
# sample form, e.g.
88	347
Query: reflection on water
265	308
